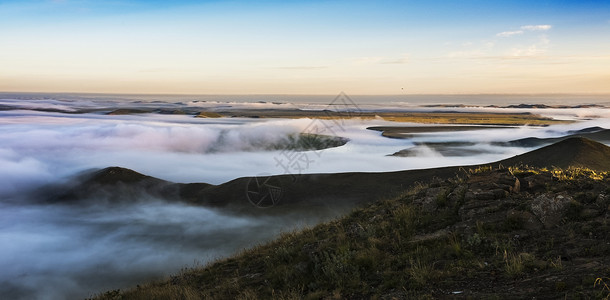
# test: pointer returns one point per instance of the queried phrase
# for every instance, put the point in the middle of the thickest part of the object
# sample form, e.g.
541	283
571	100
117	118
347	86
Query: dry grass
605	289
417	117
472	118
568	174
378	252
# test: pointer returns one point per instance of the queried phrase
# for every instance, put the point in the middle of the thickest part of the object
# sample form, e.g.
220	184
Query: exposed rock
432	197
497	179
550	208
535	182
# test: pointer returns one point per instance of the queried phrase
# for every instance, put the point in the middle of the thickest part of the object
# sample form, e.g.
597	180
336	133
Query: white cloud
525	28
536	27
509	33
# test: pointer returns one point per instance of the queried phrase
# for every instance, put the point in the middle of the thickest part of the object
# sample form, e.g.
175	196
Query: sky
305	47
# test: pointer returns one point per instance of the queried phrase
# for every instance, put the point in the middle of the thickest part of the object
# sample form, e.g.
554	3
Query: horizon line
312	94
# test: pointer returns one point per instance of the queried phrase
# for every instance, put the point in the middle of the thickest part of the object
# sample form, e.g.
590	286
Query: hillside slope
332	193
593	133
503	233
575	151
491	232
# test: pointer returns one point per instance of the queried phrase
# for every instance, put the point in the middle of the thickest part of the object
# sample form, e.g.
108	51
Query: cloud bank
58	252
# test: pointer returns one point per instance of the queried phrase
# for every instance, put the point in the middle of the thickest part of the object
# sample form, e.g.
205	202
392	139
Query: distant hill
114	175
573	151
128	111
332	193
110	185
593	133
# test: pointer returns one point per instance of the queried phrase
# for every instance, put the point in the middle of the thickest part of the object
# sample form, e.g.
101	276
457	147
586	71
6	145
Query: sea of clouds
70	251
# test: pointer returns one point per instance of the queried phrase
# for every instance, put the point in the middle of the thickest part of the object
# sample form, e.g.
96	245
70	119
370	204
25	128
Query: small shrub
420	271
406	218
441	198
605	289
480	169
455	244
474	240
514	264
556	263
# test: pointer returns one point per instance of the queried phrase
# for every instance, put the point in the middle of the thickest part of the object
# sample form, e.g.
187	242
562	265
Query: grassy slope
482	236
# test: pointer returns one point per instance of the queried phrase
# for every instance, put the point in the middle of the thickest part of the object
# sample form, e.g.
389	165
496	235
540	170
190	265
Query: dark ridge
128	111
114	175
445	149
570	152
601	135
331	193
426	129
343	190
171	112
551	106
110	186
587	130
192	192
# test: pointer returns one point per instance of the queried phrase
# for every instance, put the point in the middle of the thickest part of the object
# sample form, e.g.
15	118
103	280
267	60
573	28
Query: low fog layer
56	252
68	252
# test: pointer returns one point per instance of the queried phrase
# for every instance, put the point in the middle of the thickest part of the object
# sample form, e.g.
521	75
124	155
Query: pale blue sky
305	47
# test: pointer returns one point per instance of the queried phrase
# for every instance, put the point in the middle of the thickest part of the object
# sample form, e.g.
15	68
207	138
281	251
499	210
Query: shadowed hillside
576	151
114	175
593	133
502	233
334	193
110	185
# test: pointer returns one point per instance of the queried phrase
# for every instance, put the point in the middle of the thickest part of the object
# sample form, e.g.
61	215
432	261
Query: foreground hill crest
508	232
315	192
572	152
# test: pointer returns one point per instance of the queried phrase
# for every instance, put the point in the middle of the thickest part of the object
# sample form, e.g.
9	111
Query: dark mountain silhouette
587	130
593	133
334	193
128	111
114	175
111	185
574	151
